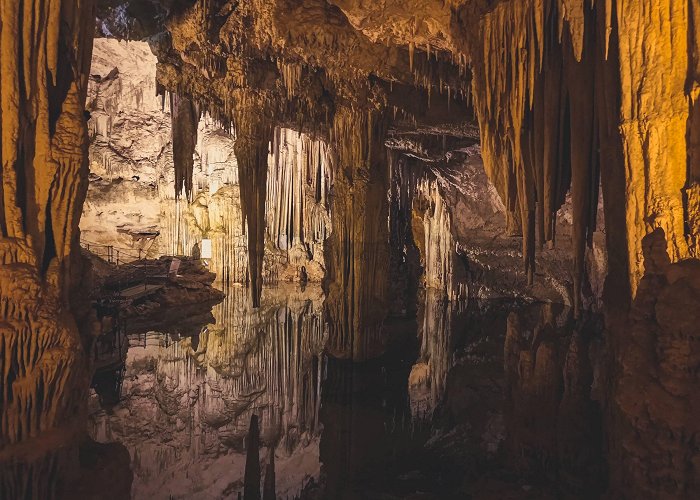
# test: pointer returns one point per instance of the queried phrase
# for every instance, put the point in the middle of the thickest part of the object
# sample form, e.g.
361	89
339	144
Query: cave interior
348	249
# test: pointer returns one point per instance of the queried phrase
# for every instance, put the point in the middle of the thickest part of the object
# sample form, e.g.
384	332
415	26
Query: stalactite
298	219
185	118
358	250
541	126
609	102
291	75
253	136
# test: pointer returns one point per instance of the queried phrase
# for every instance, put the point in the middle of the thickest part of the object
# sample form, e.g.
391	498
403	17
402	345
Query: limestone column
357	252
254	131
46	51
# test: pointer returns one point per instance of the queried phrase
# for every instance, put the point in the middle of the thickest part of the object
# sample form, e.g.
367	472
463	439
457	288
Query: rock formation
46	50
131	157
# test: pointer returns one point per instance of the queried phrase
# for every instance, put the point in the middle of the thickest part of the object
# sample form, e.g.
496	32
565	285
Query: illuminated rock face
46	49
130	149
132	189
602	78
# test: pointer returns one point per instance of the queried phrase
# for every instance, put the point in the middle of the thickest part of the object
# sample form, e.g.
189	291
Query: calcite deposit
46	49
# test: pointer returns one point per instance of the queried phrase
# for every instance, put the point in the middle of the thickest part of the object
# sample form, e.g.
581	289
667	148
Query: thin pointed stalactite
584	163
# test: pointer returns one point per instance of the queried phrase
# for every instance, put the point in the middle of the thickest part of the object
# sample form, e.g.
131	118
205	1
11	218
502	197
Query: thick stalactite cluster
185	117
573	94
262	71
573	99
570	94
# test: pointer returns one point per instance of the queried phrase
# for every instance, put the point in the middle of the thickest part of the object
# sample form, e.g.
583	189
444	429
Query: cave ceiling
304	58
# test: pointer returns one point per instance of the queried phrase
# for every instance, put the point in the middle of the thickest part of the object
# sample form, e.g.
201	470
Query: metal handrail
112	254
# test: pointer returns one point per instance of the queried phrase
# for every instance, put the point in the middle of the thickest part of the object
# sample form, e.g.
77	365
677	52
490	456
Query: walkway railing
239	274
131	273
112	254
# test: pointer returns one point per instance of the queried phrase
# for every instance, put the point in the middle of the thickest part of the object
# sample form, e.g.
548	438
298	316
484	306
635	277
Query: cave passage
349	250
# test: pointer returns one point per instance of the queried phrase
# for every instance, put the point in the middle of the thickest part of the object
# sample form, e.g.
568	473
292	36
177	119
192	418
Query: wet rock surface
148	294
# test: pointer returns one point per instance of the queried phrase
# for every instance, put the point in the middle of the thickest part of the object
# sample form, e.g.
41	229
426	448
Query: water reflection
436	414
186	404
437	320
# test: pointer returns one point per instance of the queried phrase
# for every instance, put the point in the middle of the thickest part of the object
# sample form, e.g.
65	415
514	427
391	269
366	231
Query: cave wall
46	50
130	149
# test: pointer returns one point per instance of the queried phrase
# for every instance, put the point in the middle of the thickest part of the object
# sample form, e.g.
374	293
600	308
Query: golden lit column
46	52
653	45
